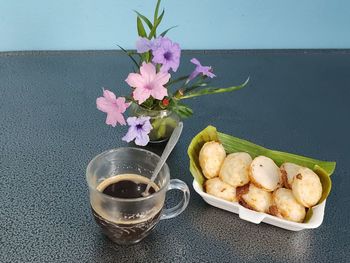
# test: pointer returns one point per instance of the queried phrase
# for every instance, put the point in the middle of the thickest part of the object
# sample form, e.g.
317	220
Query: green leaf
325	179
145	19
130	56
308	215
195	86
166	31
233	144
206	135
212	90
156	12
148	104
140	28
155	25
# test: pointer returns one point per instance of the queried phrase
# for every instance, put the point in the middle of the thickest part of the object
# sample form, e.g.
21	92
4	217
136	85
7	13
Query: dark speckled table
297	101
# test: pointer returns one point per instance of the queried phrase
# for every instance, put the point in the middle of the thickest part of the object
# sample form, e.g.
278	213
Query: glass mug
128	220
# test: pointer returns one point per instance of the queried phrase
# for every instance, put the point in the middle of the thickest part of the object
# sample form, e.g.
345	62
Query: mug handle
180	207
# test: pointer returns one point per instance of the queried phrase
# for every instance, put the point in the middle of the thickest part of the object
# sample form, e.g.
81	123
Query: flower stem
176	80
196	85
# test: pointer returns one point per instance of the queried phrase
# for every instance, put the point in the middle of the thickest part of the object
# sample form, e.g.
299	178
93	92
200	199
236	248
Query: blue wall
203	24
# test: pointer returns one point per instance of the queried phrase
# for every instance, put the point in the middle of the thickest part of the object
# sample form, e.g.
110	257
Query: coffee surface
126	186
127	189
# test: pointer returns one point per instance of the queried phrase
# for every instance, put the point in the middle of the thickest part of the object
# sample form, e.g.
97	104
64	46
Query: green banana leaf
232	144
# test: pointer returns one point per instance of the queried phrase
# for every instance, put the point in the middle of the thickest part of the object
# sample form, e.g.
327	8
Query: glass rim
155	194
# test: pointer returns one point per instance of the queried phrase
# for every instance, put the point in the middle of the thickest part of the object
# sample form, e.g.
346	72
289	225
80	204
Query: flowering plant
156	58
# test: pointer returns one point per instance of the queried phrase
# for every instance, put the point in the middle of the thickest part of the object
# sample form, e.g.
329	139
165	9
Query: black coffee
126	233
124	222
127	189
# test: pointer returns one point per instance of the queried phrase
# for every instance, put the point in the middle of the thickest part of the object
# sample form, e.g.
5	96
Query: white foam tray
257	217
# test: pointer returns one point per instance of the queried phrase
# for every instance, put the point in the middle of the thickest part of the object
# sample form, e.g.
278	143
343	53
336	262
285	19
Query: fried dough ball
234	169
286	206
211	157
265	174
289	171
220	189
307	187
255	198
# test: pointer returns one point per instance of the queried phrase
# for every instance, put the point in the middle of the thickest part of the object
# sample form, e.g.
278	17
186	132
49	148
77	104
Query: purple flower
156	43
143	45
167	53
206	71
139	129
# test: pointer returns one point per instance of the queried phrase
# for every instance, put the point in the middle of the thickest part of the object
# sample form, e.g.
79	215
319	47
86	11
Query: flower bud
165	102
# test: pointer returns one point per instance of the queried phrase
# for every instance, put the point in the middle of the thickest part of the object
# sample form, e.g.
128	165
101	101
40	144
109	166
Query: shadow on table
198	243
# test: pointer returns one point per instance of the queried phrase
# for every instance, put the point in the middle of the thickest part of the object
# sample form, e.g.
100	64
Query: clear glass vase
163	122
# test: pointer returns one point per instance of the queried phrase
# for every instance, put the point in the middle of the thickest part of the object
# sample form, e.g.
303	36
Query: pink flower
114	107
148	83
